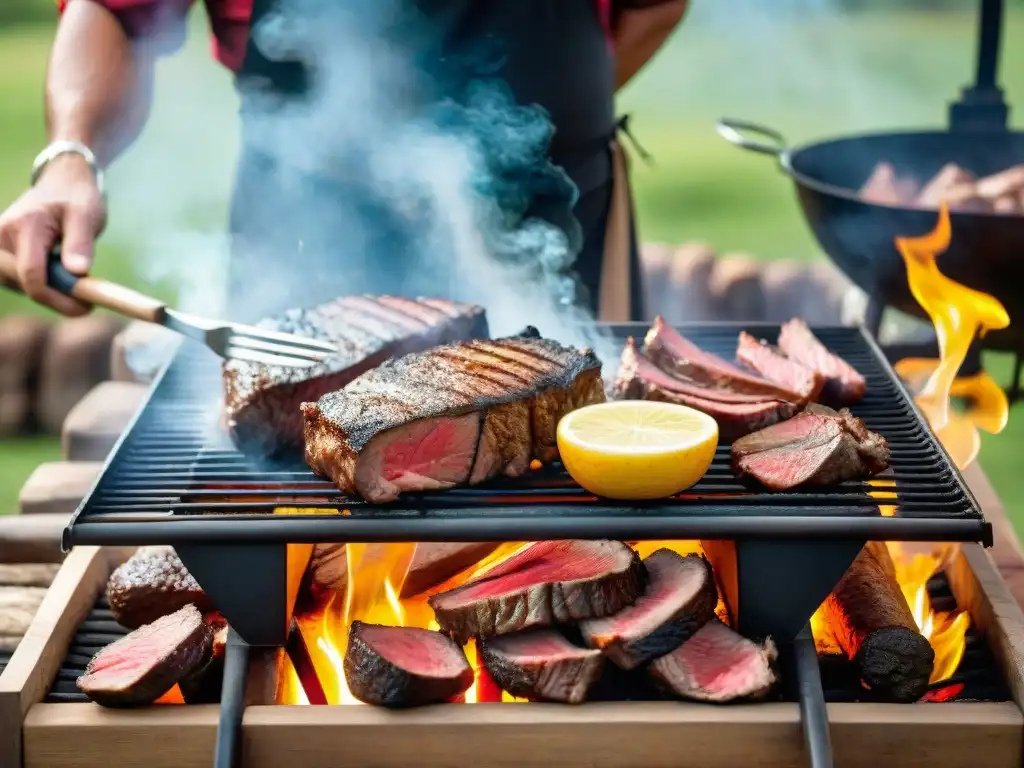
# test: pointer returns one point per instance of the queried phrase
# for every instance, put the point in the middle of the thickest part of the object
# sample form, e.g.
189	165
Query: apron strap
614	303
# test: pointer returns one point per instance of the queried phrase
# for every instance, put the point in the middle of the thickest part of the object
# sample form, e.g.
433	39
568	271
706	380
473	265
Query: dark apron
305	235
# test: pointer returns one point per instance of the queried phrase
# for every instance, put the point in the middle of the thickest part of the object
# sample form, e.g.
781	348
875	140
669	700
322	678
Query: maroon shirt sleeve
162	21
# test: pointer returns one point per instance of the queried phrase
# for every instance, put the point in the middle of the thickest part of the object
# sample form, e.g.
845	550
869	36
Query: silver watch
56	149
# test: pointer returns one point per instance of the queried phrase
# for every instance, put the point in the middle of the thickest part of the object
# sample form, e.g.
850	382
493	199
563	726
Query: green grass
809	78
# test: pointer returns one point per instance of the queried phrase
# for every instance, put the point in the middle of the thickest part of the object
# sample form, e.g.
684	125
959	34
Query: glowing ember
959	314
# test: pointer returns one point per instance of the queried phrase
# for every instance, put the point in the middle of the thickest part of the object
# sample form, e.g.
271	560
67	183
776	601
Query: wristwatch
57	148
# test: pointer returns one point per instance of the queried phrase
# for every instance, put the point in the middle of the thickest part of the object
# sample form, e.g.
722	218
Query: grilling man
567	56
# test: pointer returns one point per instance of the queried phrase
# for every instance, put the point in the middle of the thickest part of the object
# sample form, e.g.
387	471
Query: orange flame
959	314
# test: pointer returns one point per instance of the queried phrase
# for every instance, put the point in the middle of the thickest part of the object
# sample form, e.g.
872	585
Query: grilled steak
262	403
773	365
679	599
817	447
456	414
203	685
737	413
685	360
404	666
142	666
547	583
843	384
152	583
541	665
436	562
716	665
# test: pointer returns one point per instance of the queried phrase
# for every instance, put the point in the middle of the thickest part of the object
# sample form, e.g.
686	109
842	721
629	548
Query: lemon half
637	449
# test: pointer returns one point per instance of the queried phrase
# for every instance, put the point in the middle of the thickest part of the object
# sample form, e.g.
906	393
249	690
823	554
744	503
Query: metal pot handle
732	131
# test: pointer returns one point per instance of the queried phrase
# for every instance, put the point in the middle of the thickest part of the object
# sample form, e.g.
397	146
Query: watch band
57	148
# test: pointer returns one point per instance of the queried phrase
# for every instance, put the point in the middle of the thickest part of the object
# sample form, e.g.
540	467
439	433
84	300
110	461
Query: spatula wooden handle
92	290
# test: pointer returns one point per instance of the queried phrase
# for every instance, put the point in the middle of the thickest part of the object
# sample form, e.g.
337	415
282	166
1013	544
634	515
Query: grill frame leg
232	703
813	710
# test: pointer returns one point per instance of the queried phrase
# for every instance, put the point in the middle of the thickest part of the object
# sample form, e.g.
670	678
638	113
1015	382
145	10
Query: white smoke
430	170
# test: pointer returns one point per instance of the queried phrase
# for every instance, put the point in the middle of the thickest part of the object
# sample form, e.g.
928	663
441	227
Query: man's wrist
68	153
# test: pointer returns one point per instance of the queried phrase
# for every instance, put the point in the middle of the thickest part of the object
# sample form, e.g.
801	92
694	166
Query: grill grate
978	671
175	469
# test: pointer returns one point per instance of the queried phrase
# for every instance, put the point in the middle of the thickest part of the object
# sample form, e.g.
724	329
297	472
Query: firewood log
872	623
27	575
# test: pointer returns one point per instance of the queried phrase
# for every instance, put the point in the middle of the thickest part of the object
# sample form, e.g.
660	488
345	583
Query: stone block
57	487
94	425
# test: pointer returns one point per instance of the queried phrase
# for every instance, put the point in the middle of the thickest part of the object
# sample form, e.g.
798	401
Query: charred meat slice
685	360
549	582
262	403
640	379
436	562
817	447
455	414
769	362
142	666
152	583
679	599
404	666
716	665
843	384
541	665
203	685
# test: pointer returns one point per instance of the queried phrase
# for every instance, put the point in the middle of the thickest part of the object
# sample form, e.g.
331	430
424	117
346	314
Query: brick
94	425
57	487
736	289
140	351
76	359
22	341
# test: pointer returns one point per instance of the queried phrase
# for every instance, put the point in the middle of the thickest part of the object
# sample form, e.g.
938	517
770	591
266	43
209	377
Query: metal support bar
232	702
982	106
298	652
813	712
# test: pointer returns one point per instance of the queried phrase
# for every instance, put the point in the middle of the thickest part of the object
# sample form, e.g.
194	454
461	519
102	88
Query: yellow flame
959	314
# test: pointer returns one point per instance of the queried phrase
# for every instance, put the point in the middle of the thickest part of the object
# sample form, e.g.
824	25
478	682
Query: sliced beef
769	362
737	414
152	583
262	403
843	384
817	447
142	666
541	665
404	666
436	562
456	414
547	583
685	360
679	599
871	622
203	686
716	665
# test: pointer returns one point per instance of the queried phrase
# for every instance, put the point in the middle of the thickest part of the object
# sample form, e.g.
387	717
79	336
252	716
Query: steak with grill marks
737	413
817	447
454	415
843	384
152	583
541	665
262	403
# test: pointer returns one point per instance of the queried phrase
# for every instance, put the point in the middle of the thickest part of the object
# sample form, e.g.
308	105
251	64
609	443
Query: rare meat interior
406	625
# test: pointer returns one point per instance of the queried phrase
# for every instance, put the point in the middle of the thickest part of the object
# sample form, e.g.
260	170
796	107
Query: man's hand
65	207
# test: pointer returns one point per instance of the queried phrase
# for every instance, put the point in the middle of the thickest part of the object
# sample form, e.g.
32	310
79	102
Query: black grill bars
175	480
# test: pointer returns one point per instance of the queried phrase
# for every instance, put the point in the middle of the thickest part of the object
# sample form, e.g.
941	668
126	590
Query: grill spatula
229	340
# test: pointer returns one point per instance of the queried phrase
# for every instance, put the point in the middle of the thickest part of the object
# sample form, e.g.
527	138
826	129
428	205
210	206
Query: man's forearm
98	87
640	32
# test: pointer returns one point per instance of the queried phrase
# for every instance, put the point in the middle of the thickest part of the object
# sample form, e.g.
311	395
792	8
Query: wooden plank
58	487
31	538
599	735
979	589
31	670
